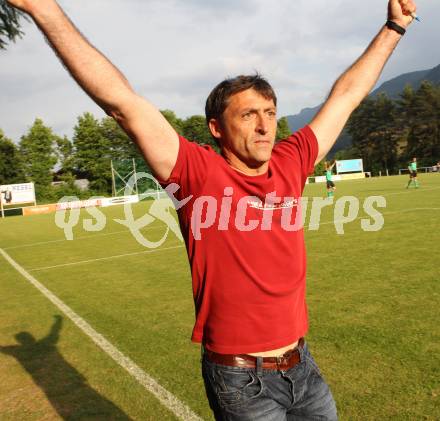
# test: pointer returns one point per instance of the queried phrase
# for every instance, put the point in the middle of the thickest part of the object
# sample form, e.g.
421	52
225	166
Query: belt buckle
280	360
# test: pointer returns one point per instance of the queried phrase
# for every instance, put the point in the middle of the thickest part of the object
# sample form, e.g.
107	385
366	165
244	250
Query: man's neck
242	167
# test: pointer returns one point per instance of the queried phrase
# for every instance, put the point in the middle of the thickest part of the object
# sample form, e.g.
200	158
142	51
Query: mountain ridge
392	88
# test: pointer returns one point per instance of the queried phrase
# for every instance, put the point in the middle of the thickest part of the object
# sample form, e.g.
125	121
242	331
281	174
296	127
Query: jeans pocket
236	387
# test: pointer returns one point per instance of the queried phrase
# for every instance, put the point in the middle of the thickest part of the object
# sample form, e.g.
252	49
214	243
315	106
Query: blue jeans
239	394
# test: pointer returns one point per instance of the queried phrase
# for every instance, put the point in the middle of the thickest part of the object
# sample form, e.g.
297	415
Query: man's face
247	130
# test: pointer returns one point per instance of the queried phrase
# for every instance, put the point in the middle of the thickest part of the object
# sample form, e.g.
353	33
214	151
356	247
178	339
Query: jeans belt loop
259	366
300	348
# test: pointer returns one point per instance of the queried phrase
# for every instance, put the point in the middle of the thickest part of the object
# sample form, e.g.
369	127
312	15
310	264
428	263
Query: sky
174	52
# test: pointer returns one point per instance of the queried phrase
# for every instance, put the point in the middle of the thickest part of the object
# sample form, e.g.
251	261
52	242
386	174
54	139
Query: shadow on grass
66	388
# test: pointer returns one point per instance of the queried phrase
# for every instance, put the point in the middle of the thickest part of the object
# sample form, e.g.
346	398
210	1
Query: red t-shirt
248	261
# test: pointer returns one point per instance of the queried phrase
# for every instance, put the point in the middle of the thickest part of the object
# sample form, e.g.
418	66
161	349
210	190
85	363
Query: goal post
125	179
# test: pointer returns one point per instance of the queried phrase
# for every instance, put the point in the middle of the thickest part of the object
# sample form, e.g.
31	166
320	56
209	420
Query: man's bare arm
355	84
106	85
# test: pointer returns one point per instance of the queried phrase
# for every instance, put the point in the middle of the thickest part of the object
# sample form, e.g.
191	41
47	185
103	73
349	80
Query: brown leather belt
282	363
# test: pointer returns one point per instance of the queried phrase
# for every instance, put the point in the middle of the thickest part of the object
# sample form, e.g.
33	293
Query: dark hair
218	99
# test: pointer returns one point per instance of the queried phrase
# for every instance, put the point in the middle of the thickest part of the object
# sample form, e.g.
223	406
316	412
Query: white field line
366	216
179	246
166	398
405	191
421	189
106	258
84	237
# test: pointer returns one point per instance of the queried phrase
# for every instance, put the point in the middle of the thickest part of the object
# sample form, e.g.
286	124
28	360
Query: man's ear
215	127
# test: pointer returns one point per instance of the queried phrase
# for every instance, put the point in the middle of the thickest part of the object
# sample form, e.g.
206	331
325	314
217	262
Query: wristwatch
395	27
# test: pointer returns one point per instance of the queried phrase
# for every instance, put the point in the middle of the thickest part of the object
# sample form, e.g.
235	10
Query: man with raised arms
248	270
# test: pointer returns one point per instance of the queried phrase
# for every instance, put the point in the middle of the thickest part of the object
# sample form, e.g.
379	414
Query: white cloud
174	52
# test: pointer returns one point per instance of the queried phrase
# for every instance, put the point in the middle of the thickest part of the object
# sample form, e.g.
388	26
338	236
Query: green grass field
373	299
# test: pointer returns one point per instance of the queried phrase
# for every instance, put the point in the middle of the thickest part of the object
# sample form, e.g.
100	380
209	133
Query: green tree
120	144
423	140
372	128
11	166
176	122
9	24
359	127
348	153
403	122
92	153
404	104
194	128
65	156
319	168
283	129
37	149
122	153
383	136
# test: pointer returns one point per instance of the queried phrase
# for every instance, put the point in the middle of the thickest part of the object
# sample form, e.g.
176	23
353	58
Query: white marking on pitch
87	237
166	398
180	246
83	237
421	189
366	216
406	191
106	258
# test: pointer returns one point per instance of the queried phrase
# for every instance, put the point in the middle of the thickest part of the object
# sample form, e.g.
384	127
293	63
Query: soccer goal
128	178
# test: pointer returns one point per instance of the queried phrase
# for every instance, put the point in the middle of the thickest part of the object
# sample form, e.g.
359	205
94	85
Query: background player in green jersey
412	167
328	177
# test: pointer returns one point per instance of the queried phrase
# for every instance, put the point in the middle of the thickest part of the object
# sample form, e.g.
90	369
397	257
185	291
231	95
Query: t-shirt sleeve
302	148
191	168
